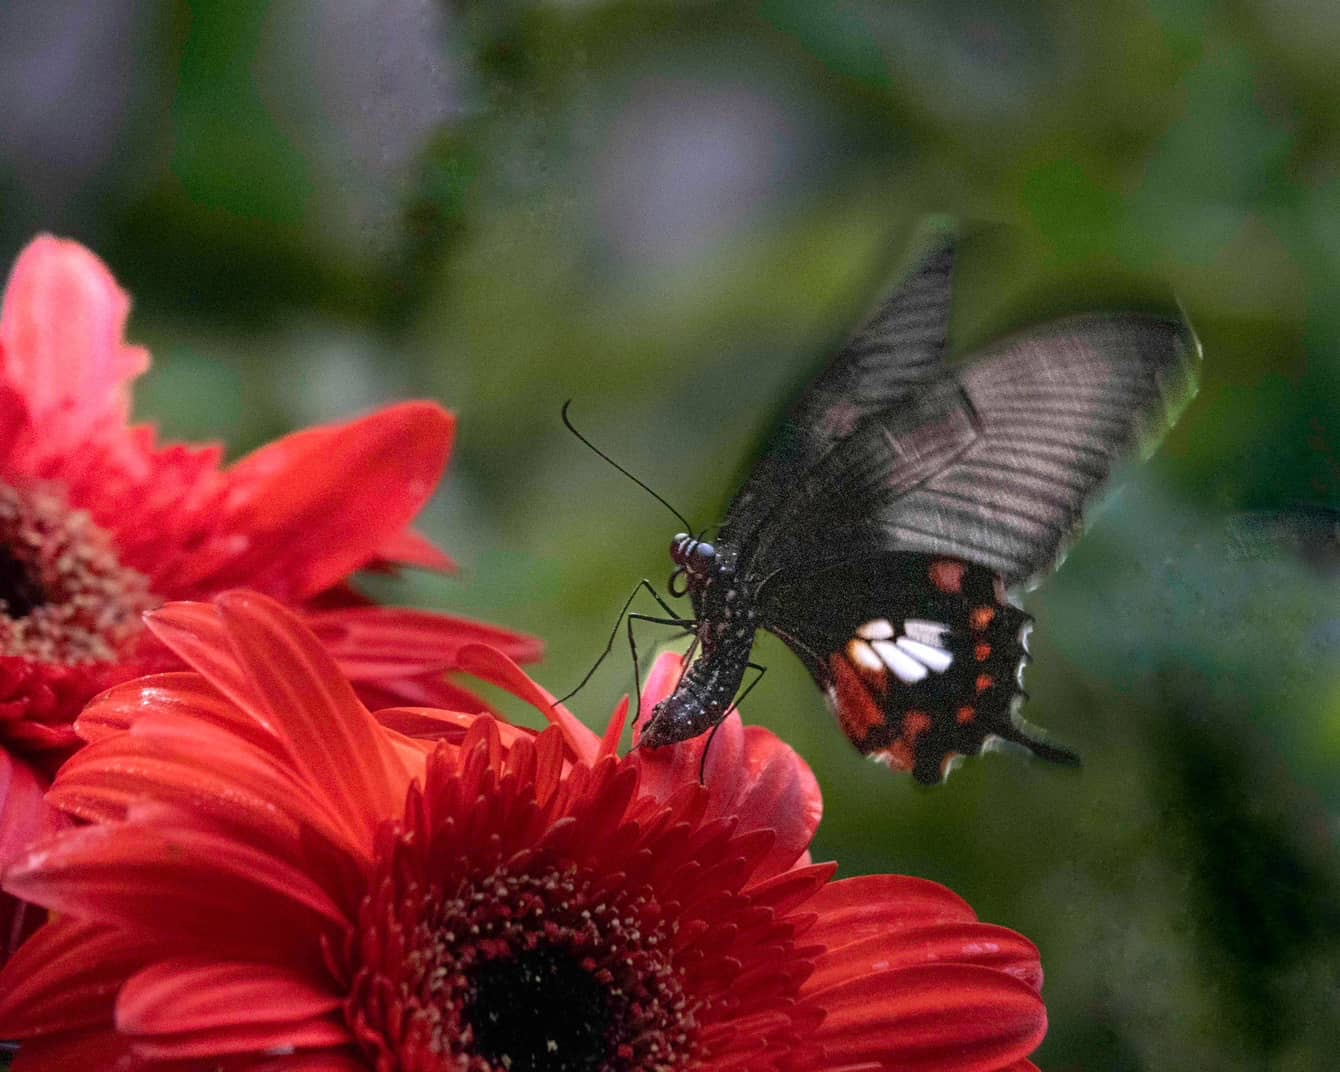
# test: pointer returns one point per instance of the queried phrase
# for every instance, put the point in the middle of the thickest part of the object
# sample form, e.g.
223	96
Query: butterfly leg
609	645
683	623
750	687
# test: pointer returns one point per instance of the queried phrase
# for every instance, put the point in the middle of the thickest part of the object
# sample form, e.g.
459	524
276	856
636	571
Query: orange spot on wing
856	709
915	723
965	715
981	617
947	575
983	652
984	682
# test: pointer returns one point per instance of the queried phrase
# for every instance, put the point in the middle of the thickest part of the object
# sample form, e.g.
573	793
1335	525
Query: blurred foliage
668	212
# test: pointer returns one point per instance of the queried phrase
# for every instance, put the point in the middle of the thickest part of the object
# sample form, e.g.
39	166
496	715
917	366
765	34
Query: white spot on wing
936	658
878	629
906	668
925	632
859	652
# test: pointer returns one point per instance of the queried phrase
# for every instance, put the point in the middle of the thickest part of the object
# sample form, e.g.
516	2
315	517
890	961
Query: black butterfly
879	533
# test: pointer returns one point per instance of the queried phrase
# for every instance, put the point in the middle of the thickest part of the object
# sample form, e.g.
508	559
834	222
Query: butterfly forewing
835	508
894	356
998	465
1057	410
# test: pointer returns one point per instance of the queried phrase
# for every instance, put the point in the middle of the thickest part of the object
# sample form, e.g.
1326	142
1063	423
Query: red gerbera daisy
275	880
99	523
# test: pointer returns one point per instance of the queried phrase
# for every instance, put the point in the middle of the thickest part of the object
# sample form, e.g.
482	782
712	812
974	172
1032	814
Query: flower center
533	970
539	1011
20	592
65	598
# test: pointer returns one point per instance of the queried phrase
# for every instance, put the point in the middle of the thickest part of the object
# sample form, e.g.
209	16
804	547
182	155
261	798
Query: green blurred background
669	212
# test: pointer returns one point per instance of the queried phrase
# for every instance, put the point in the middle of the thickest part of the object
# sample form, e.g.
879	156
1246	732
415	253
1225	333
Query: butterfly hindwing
920	657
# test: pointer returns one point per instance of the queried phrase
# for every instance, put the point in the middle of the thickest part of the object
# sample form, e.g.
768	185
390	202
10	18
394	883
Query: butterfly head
694	560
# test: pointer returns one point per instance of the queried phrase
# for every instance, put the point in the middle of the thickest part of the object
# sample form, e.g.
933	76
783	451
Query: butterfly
902	499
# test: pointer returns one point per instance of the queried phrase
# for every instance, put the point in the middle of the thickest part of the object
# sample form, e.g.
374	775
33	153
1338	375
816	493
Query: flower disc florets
65	597
505	943
530	971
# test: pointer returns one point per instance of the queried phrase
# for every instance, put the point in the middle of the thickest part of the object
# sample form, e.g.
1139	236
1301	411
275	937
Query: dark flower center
539	1011
547	970
65	597
20	592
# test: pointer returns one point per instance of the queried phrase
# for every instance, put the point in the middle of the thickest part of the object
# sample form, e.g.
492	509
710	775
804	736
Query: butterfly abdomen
727	620
703	696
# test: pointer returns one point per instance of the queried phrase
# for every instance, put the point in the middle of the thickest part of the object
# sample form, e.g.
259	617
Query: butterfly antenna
568	422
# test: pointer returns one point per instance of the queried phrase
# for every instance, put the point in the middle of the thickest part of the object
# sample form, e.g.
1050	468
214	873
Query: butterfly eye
679	548
704	551
678	584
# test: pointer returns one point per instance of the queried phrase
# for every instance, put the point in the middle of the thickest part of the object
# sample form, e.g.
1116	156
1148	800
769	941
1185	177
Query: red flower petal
189	763
294	519
325	1061
14	417
61	334
790	889
661	682
306	511
378	642
431	724
46	997
496	668
857	908
428	690
149	880
279	673
24	814
190	746
947	1018
411	548
181	692
101	1049
779	791
25	817
609	743
190	1009
939	943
